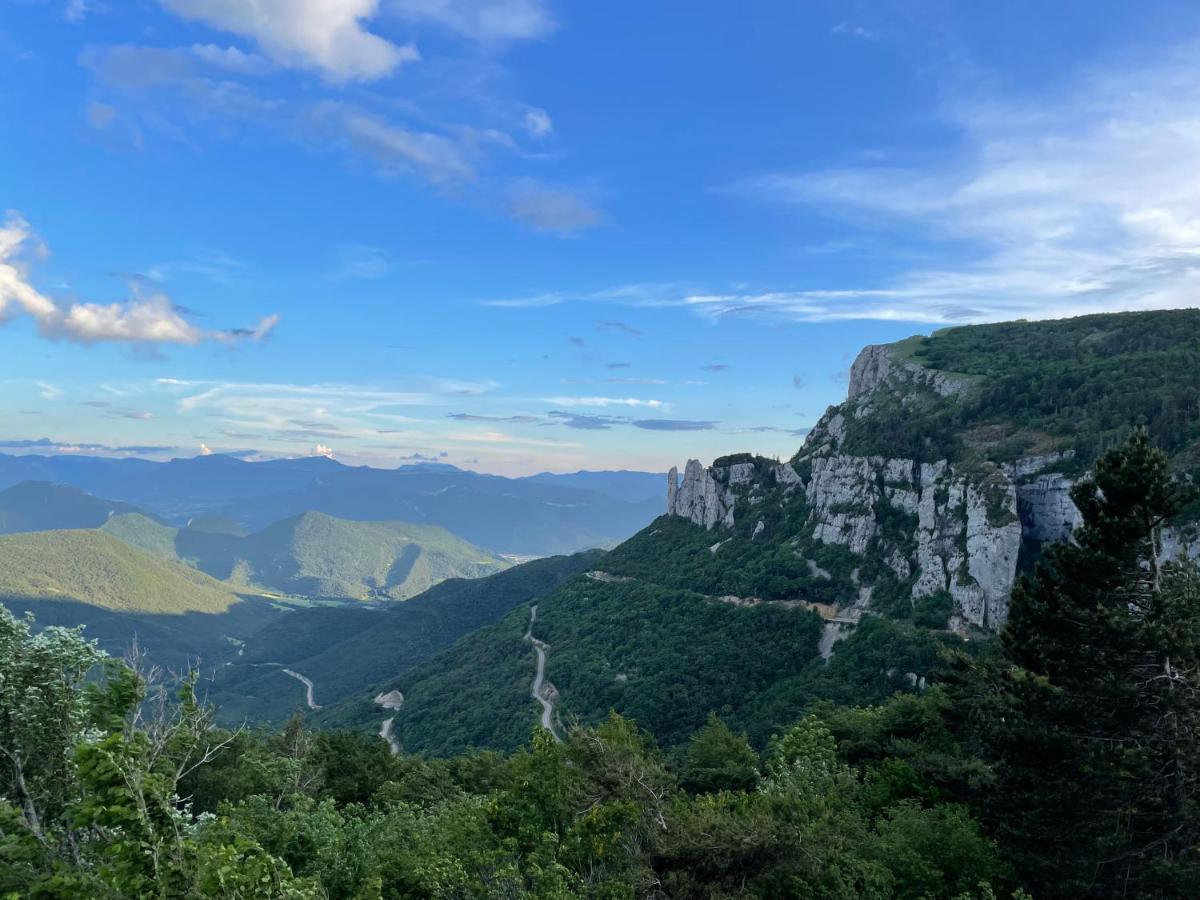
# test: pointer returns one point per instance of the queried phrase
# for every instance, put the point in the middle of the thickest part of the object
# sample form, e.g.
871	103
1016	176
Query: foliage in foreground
105	800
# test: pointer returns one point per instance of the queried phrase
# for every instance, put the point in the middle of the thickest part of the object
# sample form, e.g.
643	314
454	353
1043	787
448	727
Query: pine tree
1090	715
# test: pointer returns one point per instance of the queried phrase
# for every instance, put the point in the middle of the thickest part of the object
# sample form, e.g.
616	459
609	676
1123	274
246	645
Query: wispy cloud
550	208
656	382
674	425
1050	206
604	402
205	92
395	149
472	417
537	123
620	328
362	261
146	318
586	421
481	20
350	414
48	446
1084	202
851	29
76	11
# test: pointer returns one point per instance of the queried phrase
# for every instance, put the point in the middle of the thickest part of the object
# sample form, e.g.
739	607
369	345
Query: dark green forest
1074	384
1058	761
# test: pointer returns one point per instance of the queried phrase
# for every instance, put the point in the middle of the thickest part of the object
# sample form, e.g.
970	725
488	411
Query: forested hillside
95	568
346	651
1066	385
43	506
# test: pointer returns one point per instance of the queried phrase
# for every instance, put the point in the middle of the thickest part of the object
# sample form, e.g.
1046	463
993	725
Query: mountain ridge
538	515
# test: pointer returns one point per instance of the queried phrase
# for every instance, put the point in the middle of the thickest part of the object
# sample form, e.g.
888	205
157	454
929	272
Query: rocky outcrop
870	369
707	496
951	526
877	366
700	497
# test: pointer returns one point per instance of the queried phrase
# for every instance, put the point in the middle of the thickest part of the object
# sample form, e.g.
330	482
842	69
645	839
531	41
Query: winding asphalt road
540	648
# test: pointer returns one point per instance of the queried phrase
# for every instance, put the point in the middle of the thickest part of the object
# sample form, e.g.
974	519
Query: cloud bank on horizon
525	235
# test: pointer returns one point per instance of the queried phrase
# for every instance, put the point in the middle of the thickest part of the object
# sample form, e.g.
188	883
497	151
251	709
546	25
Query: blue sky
519	235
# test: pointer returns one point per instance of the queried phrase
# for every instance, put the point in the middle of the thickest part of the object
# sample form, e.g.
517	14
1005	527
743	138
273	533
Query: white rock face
992	551
786	474
700	497
870	369
842	496
875	367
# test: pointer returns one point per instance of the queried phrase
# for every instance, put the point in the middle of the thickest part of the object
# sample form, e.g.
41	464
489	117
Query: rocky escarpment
877	365
708	496
953	527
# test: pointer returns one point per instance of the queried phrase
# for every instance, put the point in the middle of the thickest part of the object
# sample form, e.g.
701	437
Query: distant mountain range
311	555
539	515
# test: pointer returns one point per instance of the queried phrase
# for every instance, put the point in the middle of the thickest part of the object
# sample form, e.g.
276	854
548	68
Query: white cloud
149	318
480	20
206	450
322	450
537	123
326	35
48	391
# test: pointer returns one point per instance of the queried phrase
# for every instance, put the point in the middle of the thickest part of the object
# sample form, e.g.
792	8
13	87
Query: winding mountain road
540	648
308	688
392	700
385	732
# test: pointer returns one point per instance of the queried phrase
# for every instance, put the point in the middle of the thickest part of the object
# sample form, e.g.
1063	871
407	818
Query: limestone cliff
955	526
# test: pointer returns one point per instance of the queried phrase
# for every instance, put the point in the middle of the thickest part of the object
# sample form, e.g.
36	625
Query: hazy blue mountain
540	515
624	485
44	506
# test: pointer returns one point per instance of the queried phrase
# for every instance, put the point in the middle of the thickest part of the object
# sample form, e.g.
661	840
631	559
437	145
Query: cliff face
952	526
